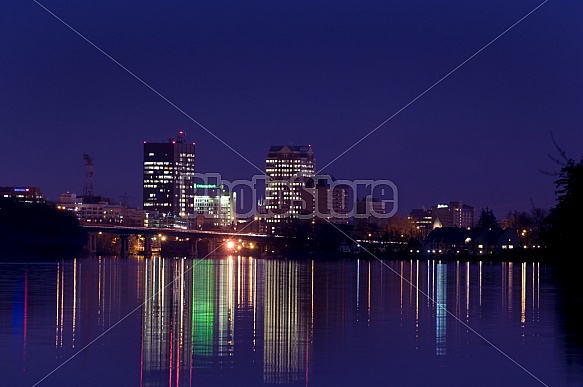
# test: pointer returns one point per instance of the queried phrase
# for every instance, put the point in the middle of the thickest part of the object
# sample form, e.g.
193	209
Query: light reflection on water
247	321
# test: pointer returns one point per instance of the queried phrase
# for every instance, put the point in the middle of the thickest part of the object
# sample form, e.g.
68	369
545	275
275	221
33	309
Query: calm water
244	321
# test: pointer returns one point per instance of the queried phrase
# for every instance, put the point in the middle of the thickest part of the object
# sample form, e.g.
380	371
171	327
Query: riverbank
38	230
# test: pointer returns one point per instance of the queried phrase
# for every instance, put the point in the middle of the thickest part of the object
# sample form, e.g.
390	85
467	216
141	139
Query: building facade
327	201
168	184
101	213
288	169
454	214
25	194
421	222
369	212
215	208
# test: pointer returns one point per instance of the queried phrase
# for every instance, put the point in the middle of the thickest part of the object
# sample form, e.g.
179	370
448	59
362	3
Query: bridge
213	239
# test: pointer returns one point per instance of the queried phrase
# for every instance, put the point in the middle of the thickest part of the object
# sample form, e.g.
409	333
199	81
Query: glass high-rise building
169	177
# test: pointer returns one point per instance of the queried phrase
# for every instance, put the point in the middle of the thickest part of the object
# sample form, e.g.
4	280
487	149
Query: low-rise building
446	240
101	213
475	241
25	194
492	240
215	208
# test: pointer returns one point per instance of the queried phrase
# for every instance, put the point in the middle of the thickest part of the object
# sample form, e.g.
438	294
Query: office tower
370	211
330	201
420	221
169	178
454	214
287	168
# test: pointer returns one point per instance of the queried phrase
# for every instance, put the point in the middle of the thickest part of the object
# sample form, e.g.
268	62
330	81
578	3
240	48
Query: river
107	321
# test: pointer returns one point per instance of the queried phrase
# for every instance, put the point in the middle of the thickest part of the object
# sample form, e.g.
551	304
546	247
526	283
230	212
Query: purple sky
264	73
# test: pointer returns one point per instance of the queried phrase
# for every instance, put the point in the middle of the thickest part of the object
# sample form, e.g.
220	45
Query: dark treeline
38	230
564	221
561	236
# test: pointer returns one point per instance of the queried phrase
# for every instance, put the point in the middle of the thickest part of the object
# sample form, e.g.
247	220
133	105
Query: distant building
454	214
25	194
370	212
491	240
102	213
69	201
168	184
476	241
447	240
214	208
288	168
327	201
420	221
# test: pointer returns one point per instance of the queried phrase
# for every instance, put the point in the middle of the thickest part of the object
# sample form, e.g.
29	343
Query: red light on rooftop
144	142
173	141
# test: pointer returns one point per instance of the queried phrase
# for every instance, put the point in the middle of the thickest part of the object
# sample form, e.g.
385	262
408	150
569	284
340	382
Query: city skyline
266	74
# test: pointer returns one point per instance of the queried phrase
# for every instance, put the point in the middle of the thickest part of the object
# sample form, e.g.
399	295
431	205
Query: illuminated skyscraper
287	168
169	177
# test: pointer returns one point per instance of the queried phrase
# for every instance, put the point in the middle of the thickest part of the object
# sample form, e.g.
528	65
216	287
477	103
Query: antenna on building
179	138
88	183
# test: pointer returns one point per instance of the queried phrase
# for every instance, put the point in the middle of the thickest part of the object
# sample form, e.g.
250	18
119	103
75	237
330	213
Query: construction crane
88	184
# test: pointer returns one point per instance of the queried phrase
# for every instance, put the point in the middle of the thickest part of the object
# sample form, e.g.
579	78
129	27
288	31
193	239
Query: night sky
325	73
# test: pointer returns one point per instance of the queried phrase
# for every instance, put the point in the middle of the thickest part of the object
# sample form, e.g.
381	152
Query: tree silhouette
564	219
487	219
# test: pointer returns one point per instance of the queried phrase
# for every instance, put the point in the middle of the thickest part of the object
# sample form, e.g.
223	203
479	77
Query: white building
215	210
101	213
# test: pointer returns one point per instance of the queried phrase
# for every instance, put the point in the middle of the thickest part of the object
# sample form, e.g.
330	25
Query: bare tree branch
561	151
548	173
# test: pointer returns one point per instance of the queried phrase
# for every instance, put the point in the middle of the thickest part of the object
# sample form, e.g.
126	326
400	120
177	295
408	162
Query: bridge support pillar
92	243
147	245
124	248
194	249
212	247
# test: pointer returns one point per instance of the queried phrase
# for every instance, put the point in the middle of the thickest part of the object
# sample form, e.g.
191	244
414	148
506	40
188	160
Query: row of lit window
156	162
284	183
159	173
286	166
287	159
158	204
157	178
157	168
